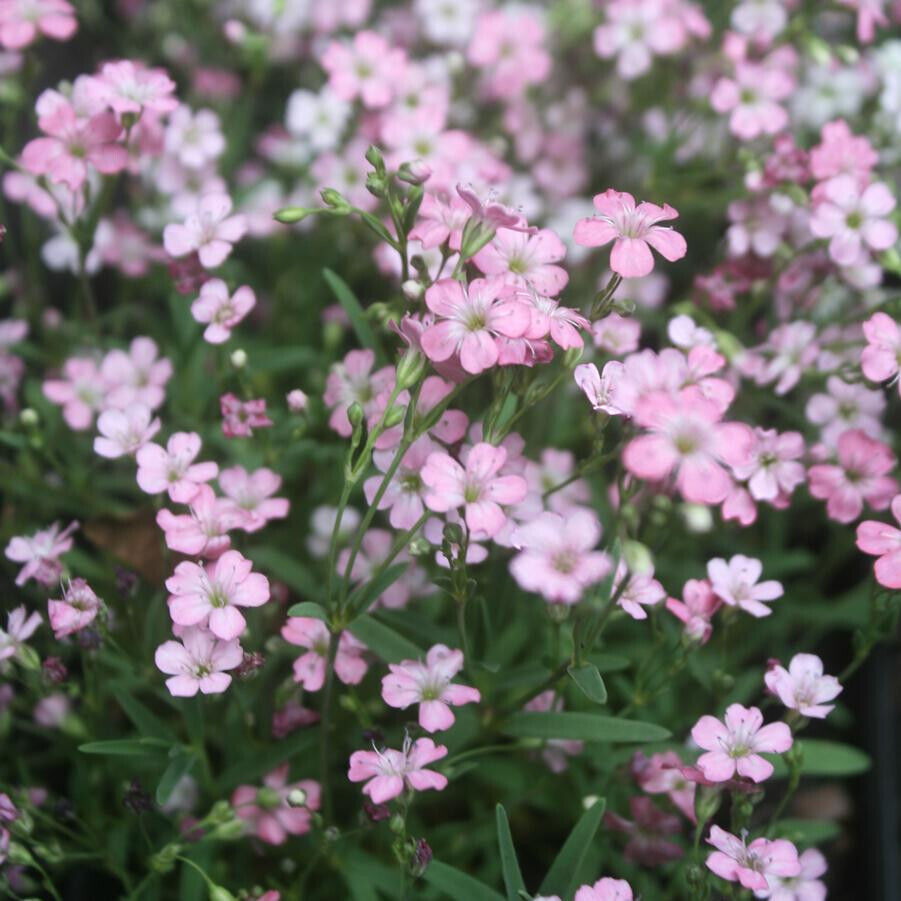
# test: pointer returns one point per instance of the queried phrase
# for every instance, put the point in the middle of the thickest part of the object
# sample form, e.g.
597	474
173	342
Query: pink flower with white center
557	556
375	549
773	470
19	628
687	437
753	98
616	334
846	406
634	230
221	311
841	152
22	20
477	487
441	219
526	261
854	218
696	609
761	20
269	813
806	886
309	668
550	319
369	68
662	774
870	13
40	553
735	744
81	392
210	231
757	227
406	489
251	494
77	609
686	334
860	475
754	864
210	596
198	663
203	531
132	87
883	541
173	468
803	687
194	139
881	358
72	145
353	381
469	320
388	773
606	889
736	583
600	389
791	349
491	214
642	590
429	685
322	524
650	832
137	375
124	432
240	418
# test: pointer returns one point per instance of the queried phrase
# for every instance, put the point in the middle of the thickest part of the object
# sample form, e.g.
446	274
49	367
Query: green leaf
825	758
255	762
287	568
458	885
375	225
561	877
126	747
589	681
513	881
807	832
354	311
362	598
609	663
383	640
308	608
582	727
146	722
179	766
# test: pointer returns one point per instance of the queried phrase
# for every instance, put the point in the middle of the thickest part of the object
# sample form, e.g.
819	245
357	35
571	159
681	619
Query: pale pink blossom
870	13
736	583
735	744
198	662
790	349
616	334
650	832
251	494
81	392
661	773
268	812
753	98
194	139
883	541
606	889
841	152
220	310
138	375
203	531
368	68
132	87
353	381
124	432
209	231
845	406
441	219
309	668
774	468
388	773
641	590
21	21
40	553
881	358
600	389
754	864
803	686
297	400
805	886
77	608
173	468
240	418
525	260
405	492
696	609
19	628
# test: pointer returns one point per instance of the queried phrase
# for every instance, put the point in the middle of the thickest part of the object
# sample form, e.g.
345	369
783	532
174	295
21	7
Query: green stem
325	727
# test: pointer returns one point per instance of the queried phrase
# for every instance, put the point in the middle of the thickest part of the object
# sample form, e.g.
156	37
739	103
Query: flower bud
589	801
376	184
218	893
412	289
239	358
29	418
395	416
19	855
638	558
697	518
419	547
297	797
355	414
410	368
268	798
397	825
375	159
334	201
226	832
453	533
290	214
220	812
297	401
416	172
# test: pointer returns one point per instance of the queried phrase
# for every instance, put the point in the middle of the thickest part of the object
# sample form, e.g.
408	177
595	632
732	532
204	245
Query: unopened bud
453	533
416	172
334	200
19	855
239	358
290	214
410	368
419	547
397	825
376	184
297	797
375	159
638	558
355	414
412	289
218	893
395	416
29	418
697	518
297	401
589	801
226	832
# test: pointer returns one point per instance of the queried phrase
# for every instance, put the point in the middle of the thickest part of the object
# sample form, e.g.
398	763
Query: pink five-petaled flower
469	319
632	229
526	261
650	832
774	468
686	435
751	864
210	596
76	610
81	392
221	311
40	553
696	609
203	531
606	889
406	489
390	772
802	686
124	432
240	418
251	495
309	668
429	685
368	68
557	556
735	744
173	469
735	582
209	231
477	487
19	628
641	590
270	813
753	97
131	87
881	358
861	474
22	20
198	662
805	886
883	541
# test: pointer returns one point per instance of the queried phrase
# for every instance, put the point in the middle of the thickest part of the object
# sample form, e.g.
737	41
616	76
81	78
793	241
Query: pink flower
841	152
854	218
802	686
353	381
773	470
209	231
390	772
752	864
440	219
209	596
309	668
77	609
40	553
662	774
805	886
220	311
124	432
526	261
21	20
861	474
374	551
406	489
549	318
297	400
686	436
477	487
19	628
469	319
736	584
136	375
696	609
173	469
240	418
251	494
884	542
632	229
605	889
270	813
557	557
881	358
203	531
131	87
642	590
368	68
81	392
870	13
650	832
194	138
753	98
735	746
429	685
599	388
845	406
616	334
198	662
491	214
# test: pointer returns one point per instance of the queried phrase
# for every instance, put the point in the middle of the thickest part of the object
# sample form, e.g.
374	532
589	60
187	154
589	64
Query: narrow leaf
824	758
146	722
308	608
286	568
564	871
582	727
179	766
354	311
383	640
126	747
513	881
589	681
362	598
457	885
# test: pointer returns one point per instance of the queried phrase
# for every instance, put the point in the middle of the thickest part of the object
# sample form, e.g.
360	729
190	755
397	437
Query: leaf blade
564	871
513	881
382	640
582	727
457	885
589	681
354	310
